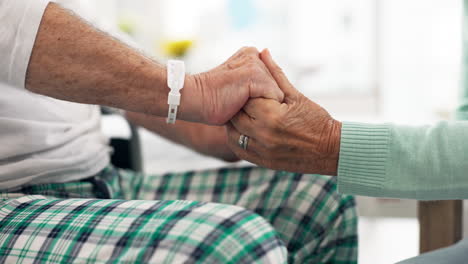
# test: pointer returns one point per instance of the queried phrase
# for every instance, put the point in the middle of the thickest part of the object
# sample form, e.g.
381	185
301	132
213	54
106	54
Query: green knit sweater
424	163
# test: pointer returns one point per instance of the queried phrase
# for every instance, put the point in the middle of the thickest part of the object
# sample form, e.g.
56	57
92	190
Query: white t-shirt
42	140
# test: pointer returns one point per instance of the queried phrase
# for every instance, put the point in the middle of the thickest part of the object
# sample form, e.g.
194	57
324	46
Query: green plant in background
127	24
177	48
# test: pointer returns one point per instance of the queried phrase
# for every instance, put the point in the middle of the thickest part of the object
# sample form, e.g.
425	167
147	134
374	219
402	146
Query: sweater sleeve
424	163
19	23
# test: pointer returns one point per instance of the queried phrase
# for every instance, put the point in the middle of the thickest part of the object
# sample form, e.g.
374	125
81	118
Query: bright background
363	60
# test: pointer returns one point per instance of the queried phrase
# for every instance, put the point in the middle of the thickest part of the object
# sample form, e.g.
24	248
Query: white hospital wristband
175	81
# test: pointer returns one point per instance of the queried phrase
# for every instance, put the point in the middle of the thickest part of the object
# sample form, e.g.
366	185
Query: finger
278	74
250	51
243	56
261	108
243	123
233	140
263	66
246	51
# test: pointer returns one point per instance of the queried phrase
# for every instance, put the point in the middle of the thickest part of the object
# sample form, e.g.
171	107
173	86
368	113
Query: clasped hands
286	130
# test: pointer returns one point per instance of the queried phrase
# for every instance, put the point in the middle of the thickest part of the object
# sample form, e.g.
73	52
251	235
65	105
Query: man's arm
73	61
207	140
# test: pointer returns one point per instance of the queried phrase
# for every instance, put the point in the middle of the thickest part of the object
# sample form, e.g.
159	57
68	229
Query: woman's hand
296	135
220	93
212	141
207	140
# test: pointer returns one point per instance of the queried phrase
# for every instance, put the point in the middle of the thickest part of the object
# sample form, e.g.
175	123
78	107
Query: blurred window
334	51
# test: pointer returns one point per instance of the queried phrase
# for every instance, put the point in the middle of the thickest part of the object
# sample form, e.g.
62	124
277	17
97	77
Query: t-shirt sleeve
19	24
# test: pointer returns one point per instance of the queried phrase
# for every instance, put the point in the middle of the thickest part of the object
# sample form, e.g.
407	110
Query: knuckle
230	65
249	49
274	121
250	53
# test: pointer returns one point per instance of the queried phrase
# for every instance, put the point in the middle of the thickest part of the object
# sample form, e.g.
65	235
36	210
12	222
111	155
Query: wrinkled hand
225	89
212	141
296	135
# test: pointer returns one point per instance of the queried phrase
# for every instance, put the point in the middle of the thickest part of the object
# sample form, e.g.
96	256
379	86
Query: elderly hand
296	135
225	89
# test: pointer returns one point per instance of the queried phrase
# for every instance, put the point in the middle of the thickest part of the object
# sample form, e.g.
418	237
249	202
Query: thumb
277	73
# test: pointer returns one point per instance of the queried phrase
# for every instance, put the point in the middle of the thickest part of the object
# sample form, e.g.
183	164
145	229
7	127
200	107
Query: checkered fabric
247	215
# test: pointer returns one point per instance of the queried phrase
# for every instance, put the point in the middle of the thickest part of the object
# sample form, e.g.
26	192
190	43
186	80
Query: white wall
421	58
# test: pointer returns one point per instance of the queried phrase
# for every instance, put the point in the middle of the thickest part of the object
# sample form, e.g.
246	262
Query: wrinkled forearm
207	140
73	61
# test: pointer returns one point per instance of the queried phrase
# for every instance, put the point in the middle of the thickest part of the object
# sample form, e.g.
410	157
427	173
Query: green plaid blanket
246	215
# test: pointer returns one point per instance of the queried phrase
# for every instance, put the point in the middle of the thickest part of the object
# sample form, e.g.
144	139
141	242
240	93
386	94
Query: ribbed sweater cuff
364	155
